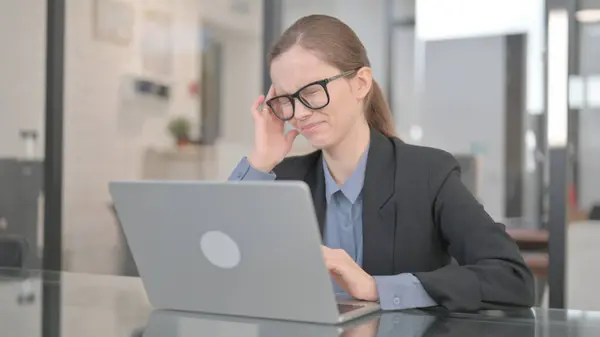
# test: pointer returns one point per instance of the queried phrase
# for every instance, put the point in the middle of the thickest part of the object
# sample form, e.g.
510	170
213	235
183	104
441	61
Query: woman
392	215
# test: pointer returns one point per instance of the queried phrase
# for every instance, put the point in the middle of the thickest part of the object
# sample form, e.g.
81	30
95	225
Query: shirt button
397	300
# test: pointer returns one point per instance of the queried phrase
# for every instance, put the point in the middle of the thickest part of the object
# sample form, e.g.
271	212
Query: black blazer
417	215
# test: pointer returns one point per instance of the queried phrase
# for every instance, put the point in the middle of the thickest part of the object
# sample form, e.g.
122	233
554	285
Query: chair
534	247
595	213
13	251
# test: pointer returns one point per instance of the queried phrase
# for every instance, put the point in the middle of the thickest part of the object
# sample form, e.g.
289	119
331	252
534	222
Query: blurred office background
161	90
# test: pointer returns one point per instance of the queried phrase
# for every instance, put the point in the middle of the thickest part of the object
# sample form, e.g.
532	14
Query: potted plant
180	127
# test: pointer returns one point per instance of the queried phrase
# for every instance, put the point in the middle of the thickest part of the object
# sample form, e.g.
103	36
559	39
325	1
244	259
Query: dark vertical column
559	66
574	114
272	28
514	119
540	122
52	255
389	35
557	227
54	135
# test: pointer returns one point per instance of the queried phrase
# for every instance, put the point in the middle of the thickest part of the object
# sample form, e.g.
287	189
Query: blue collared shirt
343	222
344	230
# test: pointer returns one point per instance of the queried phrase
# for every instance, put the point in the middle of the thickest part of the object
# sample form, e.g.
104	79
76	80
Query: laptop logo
220	249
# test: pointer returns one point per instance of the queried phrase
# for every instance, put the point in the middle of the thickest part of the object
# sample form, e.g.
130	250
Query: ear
363	81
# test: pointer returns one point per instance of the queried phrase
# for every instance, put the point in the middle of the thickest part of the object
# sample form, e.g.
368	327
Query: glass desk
50	304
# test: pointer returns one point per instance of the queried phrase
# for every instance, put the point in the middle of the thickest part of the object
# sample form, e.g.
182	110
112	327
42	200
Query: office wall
447	20
105	135
107	130
235	15
22	76
241	85
589	159
437	21
589	123
463	108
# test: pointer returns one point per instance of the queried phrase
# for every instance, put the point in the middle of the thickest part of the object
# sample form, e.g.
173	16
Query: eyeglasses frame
292	97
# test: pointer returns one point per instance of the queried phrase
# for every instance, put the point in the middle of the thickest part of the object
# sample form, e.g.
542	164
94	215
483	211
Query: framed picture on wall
157	43
113	21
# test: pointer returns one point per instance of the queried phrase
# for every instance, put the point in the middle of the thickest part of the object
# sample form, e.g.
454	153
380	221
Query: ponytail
378	112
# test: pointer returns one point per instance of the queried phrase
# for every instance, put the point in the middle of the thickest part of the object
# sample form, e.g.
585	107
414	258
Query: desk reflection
397	324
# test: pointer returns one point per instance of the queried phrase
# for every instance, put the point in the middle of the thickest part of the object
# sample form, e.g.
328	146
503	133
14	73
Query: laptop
236	248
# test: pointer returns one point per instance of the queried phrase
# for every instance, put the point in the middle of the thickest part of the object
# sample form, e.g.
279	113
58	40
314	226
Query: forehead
298	67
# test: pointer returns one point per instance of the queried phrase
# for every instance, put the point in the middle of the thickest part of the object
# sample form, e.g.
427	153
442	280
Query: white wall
246	18
438	20
22	73
98	145
240	35
105	140
241	85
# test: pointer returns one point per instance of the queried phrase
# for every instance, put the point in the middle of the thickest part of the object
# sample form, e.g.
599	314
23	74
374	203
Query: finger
332	264
265	111
269	112
270	93
334	268
274	119
327	258
257	104
291	136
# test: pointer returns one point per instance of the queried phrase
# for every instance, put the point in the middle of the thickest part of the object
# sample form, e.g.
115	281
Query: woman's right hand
271	145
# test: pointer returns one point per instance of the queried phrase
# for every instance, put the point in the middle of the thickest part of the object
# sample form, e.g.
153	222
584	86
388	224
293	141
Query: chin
319	141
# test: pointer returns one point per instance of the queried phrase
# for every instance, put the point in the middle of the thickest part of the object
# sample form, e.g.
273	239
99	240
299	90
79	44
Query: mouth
310	127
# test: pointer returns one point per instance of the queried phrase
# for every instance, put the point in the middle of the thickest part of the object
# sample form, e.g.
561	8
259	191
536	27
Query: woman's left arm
491	272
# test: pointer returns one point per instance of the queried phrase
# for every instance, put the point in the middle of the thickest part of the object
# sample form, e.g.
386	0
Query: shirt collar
353	186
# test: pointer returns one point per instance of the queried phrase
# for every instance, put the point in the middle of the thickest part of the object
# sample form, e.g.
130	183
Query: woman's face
323	127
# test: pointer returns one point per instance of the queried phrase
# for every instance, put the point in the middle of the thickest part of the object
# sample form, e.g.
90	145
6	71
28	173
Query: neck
343	158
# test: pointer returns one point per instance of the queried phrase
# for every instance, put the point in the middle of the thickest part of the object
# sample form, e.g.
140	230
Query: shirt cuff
245	171
403	291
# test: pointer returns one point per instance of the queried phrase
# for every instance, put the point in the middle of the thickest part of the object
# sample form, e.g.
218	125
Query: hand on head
271	145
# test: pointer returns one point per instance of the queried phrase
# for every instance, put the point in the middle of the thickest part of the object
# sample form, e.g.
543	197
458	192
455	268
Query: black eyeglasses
313	96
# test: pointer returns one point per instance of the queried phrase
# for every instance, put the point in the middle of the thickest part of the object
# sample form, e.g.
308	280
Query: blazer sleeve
491	272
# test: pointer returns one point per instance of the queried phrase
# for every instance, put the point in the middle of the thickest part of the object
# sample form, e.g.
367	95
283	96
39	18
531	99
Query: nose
301	112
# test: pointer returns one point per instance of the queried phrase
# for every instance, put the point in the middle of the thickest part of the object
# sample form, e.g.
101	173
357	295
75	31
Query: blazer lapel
316	180
379	211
